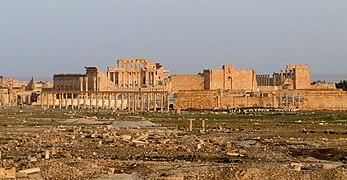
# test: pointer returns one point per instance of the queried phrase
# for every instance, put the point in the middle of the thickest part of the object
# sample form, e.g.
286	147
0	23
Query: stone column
148	101
287	100
141	101
115	97
90	100
168	102
81	84
155	101
133	79
102	101
72	98
60	100
121	101
135	102
147	78
66	100
190	124
123	79
128	102
78	100
86	82
114	78
161	102
109	97
138	80
84	100
53	96
94	84
47	99
97	100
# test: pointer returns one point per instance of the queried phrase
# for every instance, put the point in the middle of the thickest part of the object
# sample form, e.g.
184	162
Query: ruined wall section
196	100
186	82
68	82
302	76
325	100
214	79
233	102
323	86
244	80
98	81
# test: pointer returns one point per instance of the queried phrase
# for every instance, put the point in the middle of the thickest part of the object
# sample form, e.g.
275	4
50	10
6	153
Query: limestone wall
216	79
244	79
98	81
186	82
232	102
323	86
325	100
196	100
302	76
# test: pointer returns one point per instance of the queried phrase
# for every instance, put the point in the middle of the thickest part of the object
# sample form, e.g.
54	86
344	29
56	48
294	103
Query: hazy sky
42	38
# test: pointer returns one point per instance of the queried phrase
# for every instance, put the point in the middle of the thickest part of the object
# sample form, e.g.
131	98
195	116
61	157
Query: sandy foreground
253	144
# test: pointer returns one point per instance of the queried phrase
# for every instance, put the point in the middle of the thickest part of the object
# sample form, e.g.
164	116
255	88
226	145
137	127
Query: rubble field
103	145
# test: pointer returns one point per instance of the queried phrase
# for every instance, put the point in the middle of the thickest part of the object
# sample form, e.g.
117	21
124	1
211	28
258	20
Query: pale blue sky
45	37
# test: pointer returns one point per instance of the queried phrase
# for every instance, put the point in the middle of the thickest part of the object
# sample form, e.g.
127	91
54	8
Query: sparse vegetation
342	85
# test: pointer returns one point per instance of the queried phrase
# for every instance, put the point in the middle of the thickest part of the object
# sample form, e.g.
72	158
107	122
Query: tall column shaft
148	101
53	96
162	102
78	101
141	102
84	100
72	98
60	100
155	101
121	101
128	102
109	100
102	101
168	102
66	100
96	101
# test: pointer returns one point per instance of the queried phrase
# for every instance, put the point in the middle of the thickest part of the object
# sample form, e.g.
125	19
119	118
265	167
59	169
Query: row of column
133	78
107	100
287	74
287	99
264	80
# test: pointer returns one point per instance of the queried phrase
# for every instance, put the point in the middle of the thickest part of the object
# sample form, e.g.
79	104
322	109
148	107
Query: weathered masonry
116	100
137	73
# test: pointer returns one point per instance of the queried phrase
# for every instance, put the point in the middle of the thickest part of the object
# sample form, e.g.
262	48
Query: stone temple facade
128	75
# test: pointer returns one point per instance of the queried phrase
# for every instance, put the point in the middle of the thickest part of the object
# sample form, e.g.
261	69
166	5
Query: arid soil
84	144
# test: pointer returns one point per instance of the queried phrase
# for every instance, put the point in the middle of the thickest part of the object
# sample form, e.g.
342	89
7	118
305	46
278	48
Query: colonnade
287	99
132	77
120	100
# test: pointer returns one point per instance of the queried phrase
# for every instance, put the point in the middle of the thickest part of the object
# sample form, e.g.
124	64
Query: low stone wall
231	102
312	100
